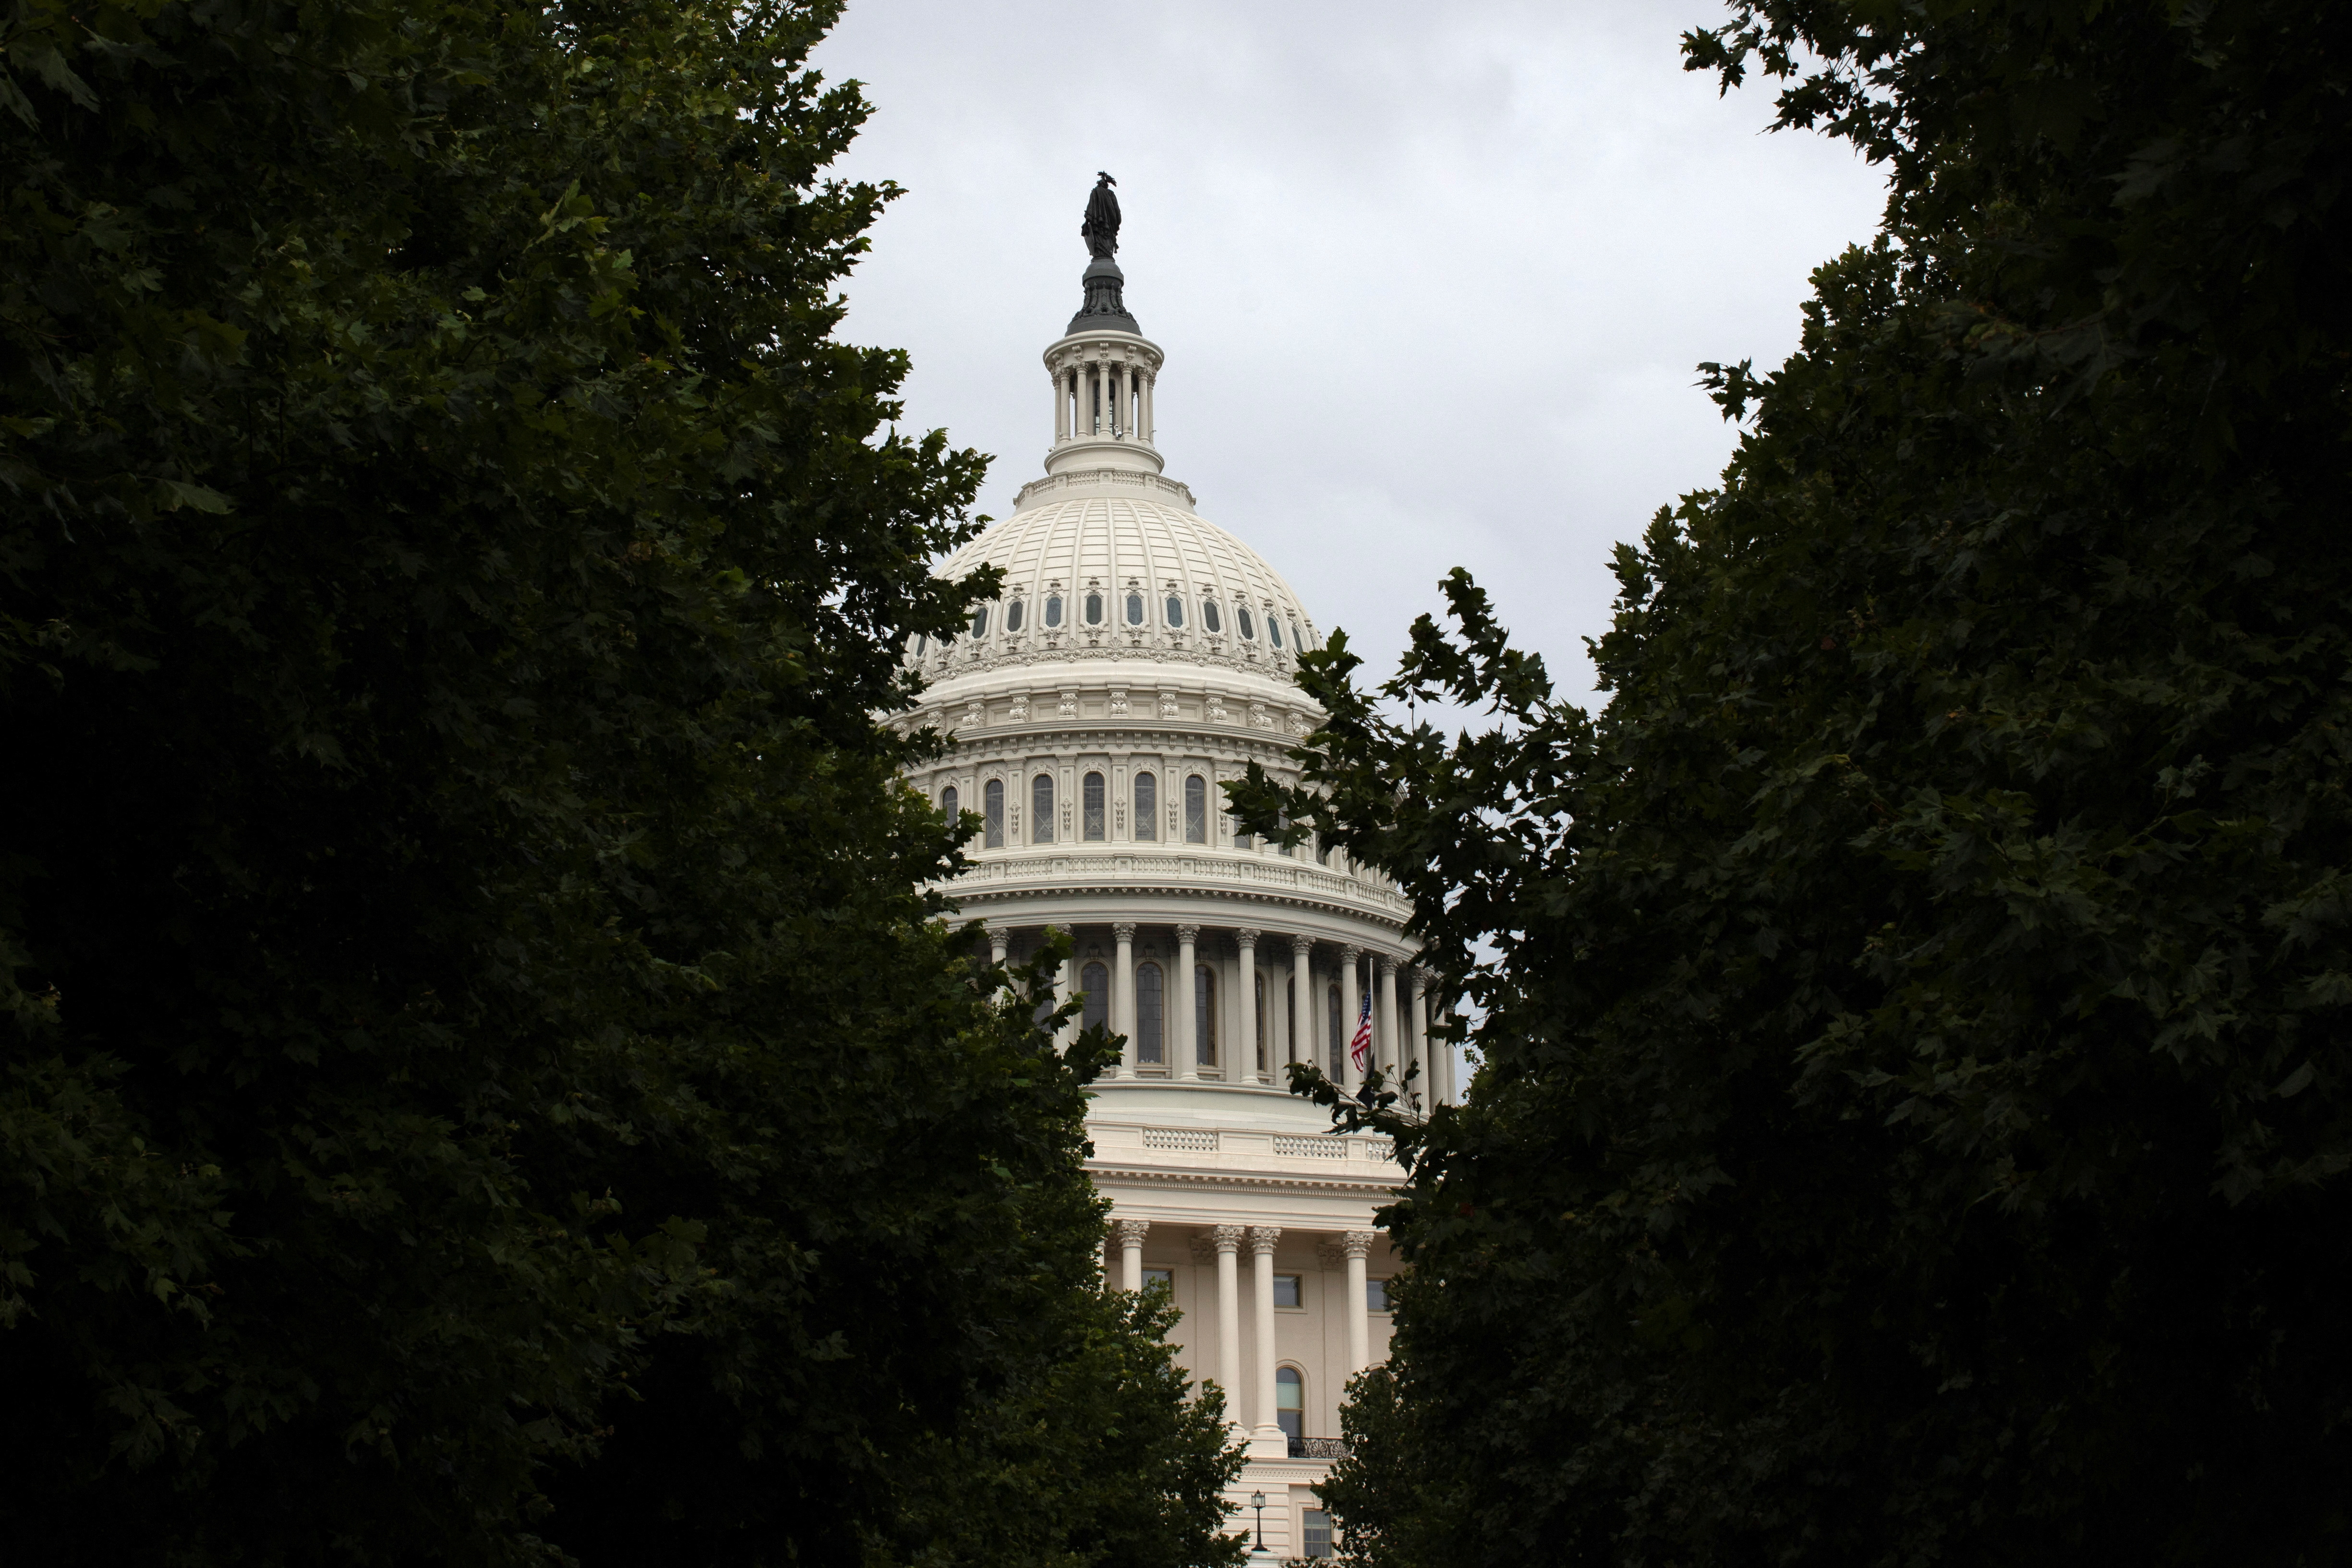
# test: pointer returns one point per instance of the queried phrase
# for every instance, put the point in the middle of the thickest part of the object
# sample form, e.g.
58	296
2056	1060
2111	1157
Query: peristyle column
1416	1011
1131	1234
1228	1240
1357	1244
1262	1239
1246	1058
1122	996
1188	1027
999	938
1384	1014
1351	1001
1302	999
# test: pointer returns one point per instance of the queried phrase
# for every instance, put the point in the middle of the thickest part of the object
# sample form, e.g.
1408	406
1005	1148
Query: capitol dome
1137	658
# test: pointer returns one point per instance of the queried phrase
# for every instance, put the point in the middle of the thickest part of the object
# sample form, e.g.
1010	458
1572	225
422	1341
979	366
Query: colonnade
1103	396
1365	977
1350	1249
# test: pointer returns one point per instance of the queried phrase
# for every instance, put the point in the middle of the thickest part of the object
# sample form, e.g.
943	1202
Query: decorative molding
1205	1252
1123	930
1187	934
1262	1237
1357	1243
1228	1237
1333	1257
1130	1232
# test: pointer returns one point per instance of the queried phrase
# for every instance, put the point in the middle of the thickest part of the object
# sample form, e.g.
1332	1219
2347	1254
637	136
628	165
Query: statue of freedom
1100	231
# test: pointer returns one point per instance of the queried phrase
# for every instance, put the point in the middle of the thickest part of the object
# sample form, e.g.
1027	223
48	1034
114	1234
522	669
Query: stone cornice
1253	1180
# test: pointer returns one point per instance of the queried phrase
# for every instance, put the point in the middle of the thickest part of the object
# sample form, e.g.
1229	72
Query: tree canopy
482	1082
1916	1102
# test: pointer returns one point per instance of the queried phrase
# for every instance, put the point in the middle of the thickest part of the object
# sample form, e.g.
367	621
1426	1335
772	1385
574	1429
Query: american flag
1359	1049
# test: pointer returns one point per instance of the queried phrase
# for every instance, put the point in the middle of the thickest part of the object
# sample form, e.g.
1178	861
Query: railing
1175	1138
1310	1147
1318	1448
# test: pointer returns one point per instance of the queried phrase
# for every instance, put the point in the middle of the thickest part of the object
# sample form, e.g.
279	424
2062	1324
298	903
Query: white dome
1167	587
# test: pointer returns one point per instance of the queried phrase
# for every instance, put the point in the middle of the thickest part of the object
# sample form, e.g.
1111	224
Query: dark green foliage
1918	1103
474	1031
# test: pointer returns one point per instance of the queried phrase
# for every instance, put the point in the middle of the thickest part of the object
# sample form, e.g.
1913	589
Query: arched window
1245	841
991	800
1261	1023
947	806
1196	810
1012	616
1205	1014
980	622
1135	609
1241	621
1175	611
1149	1011
1209	615
1337	1042
1090	800
1094	980
1273	631
1094	609
1041	809
1146	806
1053	609
1290	1402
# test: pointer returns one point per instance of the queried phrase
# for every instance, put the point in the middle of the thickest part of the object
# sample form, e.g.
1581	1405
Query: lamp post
1257	1501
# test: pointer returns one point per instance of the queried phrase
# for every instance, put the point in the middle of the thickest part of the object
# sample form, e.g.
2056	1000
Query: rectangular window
1376	1295
1090	800
1146	806
1163	1278
1041	809
1196	810
1285	1289
1316	1532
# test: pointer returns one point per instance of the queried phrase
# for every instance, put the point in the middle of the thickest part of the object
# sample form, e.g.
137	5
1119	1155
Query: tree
476	1042
1917	1108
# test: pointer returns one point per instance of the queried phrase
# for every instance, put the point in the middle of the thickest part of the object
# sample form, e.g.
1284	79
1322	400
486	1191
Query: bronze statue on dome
1100	231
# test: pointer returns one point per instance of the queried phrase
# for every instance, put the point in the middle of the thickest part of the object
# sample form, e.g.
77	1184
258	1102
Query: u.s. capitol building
1140	657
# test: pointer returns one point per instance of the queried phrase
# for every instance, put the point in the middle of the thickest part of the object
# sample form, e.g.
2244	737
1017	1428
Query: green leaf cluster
481	1080
1917	1102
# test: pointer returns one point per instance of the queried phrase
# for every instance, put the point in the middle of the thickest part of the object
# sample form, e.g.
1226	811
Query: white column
1122	996
1416	1010
1246	1059
1351	998
998	939
1385	1021
1130	1232
1188	1053
1061	408
1228	1240
1356	1244
1262	1239
1149	426
1302	999
1065	981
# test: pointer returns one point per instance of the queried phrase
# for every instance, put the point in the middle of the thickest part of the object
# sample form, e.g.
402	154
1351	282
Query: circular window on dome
1296	640
1241	621
1273	631
1094	609
921	642
1175	611
1209	615
980	622
1012	616
1135	609
1054	609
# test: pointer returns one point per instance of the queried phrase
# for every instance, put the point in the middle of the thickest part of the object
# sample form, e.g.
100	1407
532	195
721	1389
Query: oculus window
1241	621
1090	802
1012	616
1094	980
1196	810
1273	631
1205	1014
980	622
920	642
1209	615
1146	806
992	797
1053	609
1175	611
1296	640
1041	809
1094	609
1135	609
1149	1011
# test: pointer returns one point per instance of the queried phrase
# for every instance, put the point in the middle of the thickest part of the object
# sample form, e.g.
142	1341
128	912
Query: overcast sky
1431	279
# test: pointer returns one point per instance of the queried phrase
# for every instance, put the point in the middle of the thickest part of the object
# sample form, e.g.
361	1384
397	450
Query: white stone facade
1137	658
